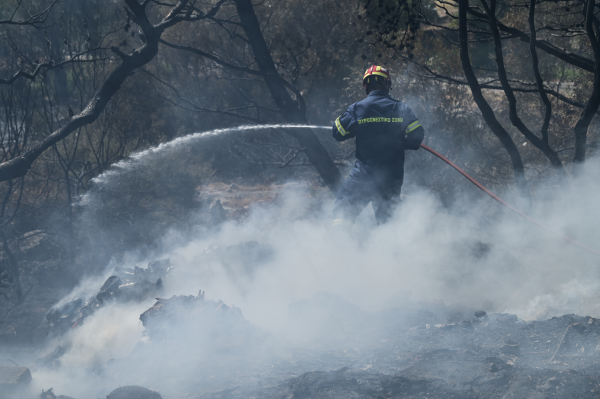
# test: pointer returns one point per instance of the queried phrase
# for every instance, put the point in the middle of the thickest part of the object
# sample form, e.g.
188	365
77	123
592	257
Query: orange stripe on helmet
377	70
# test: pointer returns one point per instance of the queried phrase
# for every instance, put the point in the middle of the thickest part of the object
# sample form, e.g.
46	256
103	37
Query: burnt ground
469	359
353	353
418	351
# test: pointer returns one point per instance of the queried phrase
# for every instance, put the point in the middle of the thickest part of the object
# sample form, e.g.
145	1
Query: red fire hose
500	200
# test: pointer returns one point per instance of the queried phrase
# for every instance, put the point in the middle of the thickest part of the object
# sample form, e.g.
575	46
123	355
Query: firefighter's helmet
377	74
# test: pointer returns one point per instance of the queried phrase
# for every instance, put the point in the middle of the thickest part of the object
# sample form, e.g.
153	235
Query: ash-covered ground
468	302
192	347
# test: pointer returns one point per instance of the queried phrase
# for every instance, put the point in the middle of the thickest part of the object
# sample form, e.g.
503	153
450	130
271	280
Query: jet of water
155	154
179	142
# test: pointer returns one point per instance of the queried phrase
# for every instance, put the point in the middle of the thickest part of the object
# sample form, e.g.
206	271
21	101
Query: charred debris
127	284
405	353
486	356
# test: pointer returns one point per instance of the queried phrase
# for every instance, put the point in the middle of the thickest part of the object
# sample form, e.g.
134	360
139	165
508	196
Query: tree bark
292	110
486	110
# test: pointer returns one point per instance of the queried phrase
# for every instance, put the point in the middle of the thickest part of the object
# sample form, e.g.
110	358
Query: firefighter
384	127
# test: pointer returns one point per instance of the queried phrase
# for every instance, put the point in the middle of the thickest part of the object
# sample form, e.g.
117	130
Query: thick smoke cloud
474	256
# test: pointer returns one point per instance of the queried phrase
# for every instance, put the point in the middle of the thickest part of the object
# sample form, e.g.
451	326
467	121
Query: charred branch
562	54
36	20
212	57
46	66
487	85
552	49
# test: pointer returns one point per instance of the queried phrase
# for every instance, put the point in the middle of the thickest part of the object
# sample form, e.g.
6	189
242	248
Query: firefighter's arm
414	135
342	125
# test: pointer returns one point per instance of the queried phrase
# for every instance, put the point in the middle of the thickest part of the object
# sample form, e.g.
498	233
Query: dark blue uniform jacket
384	127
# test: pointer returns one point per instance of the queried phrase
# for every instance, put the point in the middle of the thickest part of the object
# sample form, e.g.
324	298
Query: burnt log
12	377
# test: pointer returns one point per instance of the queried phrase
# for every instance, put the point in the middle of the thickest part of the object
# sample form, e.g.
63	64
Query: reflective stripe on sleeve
340	128
413	126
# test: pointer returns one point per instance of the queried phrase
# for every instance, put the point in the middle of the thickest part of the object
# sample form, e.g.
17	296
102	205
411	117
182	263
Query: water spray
500	200
124	165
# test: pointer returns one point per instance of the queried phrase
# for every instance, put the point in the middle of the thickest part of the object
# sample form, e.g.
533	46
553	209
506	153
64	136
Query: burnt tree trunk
484	107
292	110
593	102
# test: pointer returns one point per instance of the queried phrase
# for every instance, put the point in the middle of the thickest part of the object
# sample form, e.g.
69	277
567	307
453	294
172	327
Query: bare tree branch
48	66
19	166
34	20
212	57
563	54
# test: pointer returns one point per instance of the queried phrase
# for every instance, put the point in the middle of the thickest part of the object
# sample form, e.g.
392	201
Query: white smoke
492	260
